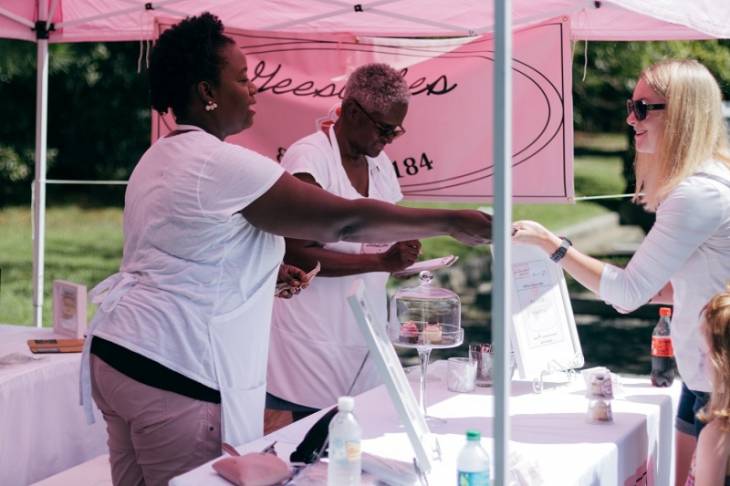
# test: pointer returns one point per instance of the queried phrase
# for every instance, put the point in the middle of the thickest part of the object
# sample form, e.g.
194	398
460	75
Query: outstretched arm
306	253
585	269
299	210
337	264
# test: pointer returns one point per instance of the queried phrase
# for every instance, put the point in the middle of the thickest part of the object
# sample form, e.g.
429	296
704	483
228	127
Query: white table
549	433
42	427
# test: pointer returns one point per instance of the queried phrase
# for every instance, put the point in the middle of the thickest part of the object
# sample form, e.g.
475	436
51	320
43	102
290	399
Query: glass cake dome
425	315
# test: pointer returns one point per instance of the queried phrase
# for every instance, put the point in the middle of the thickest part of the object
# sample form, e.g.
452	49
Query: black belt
151	373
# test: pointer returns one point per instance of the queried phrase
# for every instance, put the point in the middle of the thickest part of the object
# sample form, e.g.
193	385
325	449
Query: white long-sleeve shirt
689	245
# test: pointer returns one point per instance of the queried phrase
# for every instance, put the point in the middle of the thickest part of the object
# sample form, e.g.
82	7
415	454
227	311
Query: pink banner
446	154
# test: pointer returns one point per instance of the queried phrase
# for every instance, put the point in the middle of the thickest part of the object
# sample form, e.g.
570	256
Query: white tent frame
502	198
502	234
502	136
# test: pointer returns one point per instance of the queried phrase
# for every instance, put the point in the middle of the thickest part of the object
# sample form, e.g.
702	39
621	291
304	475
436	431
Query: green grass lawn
85	245
82	245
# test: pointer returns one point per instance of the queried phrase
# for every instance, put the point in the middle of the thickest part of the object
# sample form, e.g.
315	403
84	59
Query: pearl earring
212	105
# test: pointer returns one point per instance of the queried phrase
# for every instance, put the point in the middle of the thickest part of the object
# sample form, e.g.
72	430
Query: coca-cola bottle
662	354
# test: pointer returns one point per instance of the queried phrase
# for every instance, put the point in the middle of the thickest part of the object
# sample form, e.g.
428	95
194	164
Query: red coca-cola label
661	347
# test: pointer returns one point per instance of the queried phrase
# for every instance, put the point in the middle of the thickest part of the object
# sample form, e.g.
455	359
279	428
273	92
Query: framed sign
544	334
425	444
69	309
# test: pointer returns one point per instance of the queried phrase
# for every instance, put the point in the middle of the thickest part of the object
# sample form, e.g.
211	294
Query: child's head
716	330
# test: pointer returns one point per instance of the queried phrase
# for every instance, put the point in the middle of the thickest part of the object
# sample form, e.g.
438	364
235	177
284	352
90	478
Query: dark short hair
184	55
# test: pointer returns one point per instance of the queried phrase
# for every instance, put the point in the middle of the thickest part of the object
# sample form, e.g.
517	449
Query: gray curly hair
377	87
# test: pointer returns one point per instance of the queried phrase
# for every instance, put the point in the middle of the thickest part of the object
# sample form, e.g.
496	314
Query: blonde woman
711	465
683	174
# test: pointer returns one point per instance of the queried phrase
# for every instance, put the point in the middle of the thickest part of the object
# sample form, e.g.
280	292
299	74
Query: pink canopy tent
44	21
118	20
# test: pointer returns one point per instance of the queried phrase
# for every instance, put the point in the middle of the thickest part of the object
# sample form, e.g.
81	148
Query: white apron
239	341
240	344
317	348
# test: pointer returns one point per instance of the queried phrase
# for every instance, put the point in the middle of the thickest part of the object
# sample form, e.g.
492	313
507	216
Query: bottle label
352	451
661	347
468	478
345	450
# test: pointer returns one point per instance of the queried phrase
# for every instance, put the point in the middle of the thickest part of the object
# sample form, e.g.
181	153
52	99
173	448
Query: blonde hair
694	128
717	331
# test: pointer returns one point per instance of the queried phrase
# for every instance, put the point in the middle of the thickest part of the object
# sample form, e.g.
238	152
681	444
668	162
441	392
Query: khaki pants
154	434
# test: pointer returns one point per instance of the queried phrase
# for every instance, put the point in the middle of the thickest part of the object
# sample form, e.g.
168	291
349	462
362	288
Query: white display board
544	334
425	445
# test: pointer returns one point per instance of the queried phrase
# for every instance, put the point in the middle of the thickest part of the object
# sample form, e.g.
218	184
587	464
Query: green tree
98	114
602	84
612	69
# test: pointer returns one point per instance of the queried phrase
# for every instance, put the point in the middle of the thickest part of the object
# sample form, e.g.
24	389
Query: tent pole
502	234
39	184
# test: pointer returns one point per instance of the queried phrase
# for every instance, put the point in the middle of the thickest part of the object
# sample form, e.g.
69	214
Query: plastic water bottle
662	353
473	462
344	466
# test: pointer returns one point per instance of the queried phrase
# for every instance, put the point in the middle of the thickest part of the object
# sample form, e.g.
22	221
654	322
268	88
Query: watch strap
562	249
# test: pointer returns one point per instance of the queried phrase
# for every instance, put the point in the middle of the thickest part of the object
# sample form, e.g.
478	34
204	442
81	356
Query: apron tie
106	295
109	291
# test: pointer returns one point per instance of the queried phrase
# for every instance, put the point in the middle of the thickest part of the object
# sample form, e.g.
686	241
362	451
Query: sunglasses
385	131
641	108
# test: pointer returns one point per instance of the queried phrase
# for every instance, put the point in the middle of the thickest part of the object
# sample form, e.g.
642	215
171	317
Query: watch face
562	249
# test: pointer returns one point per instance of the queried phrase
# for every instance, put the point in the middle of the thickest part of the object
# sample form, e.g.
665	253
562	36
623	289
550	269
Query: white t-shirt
688	245
189	256
316	346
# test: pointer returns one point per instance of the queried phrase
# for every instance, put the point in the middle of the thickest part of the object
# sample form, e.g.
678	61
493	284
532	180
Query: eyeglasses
385	131
641	108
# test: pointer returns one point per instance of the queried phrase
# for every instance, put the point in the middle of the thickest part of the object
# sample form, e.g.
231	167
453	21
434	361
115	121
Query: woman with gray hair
316	349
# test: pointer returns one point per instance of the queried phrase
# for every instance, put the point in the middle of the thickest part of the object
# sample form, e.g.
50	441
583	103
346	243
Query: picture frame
544	335
69	309
425	444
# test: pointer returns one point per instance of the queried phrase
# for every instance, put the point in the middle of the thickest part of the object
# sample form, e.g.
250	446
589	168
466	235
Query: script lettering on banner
446	154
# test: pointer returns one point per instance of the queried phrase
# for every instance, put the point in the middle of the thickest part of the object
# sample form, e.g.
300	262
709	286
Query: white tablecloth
42	427
550	434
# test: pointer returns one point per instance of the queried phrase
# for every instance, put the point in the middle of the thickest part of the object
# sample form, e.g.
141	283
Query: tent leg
39	183
502	235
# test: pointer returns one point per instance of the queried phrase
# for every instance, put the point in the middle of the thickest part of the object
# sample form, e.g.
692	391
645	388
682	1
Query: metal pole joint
43	29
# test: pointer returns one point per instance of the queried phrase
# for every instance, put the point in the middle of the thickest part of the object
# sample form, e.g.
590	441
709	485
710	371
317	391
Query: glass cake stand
424	340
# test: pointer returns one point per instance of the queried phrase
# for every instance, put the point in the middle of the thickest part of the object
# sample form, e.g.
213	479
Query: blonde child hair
694	128
717	332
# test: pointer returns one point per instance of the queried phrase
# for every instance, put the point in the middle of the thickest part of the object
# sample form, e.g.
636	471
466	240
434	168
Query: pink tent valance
117	20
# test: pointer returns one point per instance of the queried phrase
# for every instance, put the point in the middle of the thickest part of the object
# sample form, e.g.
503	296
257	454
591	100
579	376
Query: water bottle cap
345	404
473	435
665	311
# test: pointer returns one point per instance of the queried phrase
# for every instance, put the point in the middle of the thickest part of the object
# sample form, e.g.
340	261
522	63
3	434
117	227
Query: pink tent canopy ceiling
118	20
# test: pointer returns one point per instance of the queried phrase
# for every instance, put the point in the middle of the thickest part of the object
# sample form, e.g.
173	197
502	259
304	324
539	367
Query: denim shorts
690	402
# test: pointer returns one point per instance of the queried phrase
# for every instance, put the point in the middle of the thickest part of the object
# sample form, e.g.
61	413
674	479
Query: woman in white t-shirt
179	342
683	170
317	352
